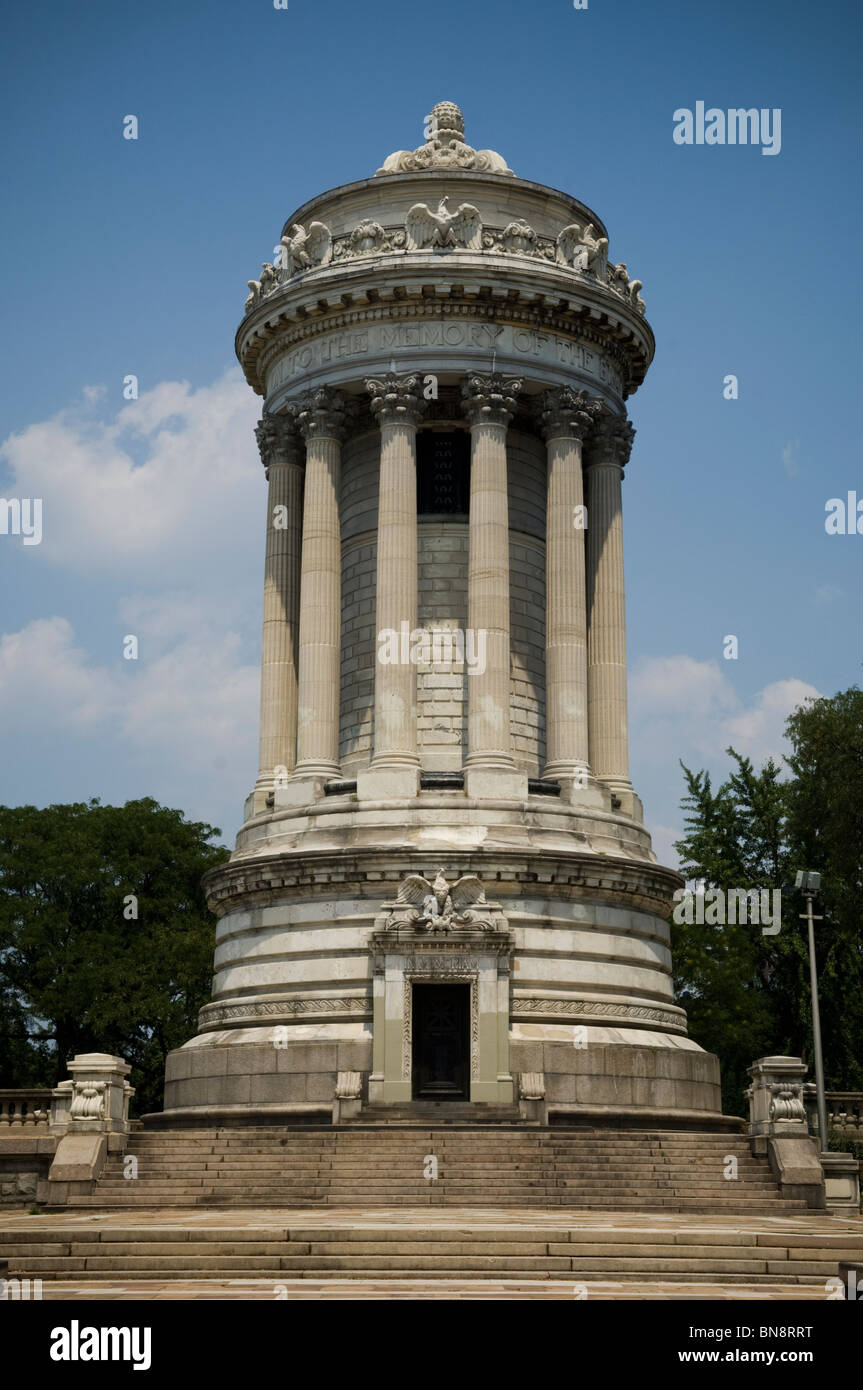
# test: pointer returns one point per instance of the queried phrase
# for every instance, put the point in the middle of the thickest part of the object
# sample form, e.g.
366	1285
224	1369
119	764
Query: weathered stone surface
444	662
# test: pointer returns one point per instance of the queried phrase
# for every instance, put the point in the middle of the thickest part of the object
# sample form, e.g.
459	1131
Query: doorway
440	1041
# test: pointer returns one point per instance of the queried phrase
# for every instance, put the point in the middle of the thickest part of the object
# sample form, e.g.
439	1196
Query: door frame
472	1039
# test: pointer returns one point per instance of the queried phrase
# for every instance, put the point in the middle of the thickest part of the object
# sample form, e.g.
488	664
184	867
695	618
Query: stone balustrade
24	1108
844	1111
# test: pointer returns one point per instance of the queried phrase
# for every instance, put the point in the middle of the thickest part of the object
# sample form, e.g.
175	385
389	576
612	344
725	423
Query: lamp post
810	884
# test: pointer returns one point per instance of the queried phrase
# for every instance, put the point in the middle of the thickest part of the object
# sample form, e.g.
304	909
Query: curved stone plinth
585	970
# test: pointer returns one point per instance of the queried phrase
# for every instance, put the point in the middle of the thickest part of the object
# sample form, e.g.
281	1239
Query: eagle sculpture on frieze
424	228
440	907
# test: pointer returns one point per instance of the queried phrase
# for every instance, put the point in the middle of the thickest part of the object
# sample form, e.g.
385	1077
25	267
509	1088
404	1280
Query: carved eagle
580	246
443	228
466	892
301	248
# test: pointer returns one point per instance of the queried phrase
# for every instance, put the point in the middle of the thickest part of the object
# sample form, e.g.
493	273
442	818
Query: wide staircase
404	1246
450	1165
488	1205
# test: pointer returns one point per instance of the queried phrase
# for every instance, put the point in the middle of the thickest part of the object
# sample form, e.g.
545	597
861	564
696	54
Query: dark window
443	471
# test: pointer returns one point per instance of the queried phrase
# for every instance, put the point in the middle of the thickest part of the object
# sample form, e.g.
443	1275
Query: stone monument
443	888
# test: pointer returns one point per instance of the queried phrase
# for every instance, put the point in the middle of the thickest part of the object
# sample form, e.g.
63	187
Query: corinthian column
565	417
322	421
607	453
398	404
490	771
281	455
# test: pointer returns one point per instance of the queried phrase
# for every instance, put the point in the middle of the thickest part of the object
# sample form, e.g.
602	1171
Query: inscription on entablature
480	337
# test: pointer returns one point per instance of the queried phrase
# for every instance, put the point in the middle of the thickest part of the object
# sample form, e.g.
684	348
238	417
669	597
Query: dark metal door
441	1042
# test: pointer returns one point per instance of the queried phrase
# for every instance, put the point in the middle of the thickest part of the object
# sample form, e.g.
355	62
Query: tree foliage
106	943
747	994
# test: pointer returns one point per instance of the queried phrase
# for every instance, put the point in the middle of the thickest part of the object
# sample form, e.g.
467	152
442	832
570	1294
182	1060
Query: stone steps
150	1251
478	1166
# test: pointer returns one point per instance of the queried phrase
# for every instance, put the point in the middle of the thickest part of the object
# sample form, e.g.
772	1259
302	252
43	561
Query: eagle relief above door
441	970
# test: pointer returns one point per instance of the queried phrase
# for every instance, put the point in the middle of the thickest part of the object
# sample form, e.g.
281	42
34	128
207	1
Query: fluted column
281	455
489	403
565	417
605	456
397	402
322	420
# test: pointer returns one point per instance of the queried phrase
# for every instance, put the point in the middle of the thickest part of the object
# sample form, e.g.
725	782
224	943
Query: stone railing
24	1108
844	1111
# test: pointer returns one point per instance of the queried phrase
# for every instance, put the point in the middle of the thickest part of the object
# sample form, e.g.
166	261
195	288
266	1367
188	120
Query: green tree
723	975
826	828
105	939
747	994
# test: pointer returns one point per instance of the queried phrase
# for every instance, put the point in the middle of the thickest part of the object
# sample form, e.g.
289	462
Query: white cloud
173	477
789	458
759	731
688	709
190	709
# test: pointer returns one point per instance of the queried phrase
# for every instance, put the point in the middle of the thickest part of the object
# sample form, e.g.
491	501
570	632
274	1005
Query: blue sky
132	257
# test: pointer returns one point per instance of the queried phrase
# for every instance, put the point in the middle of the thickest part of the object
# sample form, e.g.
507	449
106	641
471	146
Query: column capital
563	412
396	399
322	413
278	442
611	442
490	400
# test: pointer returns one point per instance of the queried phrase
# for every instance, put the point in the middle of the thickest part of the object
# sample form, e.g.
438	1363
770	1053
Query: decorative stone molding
439	230
471	947
459	970
305	1010
348	1085
531	1085
619	281
611	442
347	1102
490	400
532	1105
367	238
396	399
566	412
445	148
322	413
243	885
260	289
440	908
96	1099
277	441
305	250
290	330
776	1097
88	1100
579	247
568	1010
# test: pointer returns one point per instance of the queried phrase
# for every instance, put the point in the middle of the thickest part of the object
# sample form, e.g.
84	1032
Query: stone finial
562	411
490	400
445	148
395	399
277	440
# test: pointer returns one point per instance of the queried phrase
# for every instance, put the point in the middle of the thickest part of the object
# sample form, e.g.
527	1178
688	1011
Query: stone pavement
427	1254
